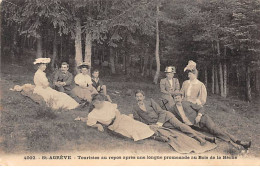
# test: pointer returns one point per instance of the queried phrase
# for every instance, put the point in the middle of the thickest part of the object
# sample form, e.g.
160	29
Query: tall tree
157	58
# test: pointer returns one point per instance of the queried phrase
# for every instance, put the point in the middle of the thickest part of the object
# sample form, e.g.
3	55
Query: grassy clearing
29	127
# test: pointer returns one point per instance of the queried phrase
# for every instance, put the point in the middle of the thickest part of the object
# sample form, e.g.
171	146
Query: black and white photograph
130	83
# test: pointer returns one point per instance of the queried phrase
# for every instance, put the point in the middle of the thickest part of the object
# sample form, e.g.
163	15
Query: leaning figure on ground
84	88
168	85
149	112
193	90
63	81
195	116
106	114
53	98
180	137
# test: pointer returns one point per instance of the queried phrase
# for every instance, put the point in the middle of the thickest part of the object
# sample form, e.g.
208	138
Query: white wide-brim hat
42	60
170	69
191	66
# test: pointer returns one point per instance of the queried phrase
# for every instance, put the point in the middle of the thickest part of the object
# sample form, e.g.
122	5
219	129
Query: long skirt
131	128
55	99
83	93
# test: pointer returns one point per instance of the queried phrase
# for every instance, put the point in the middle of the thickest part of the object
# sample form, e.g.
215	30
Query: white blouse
40	79
83	80
105	115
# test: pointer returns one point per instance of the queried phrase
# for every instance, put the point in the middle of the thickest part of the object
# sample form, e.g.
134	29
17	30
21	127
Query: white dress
79	90
52	97
122	123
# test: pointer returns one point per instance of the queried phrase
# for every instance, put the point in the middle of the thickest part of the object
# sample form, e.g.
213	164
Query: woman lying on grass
107	114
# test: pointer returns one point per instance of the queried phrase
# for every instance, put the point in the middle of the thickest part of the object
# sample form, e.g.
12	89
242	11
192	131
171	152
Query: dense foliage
222	36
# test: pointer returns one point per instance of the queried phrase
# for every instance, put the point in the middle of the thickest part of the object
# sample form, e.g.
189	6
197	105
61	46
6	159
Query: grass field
28	127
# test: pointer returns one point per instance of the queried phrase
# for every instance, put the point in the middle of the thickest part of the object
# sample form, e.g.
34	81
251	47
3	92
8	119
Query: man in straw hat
194	115
168	85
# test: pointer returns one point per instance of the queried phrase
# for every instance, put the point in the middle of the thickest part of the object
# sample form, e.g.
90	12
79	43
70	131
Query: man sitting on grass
149	112
98	84
195	116
63	81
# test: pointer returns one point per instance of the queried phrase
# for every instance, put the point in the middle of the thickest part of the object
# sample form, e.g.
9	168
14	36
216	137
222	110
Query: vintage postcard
130	83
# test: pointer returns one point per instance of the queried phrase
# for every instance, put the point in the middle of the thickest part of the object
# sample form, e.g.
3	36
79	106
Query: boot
202	141
211	139
160	138
244	144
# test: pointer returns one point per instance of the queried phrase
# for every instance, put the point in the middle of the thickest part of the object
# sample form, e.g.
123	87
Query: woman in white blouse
84	88
193	89
53	98
107	114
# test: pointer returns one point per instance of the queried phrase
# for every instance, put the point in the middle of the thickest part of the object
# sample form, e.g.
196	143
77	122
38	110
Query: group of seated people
179	122
67	92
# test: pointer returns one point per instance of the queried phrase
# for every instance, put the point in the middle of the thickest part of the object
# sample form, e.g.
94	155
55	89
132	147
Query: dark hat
170	69
177	92
83	65
194	71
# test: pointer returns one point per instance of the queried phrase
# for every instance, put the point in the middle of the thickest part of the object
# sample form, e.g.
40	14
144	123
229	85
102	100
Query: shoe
211	139
203	143
162	139
246	145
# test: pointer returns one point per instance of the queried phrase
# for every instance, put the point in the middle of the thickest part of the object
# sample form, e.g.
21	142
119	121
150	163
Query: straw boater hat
42	60
170	69
177	93
191	67
83	65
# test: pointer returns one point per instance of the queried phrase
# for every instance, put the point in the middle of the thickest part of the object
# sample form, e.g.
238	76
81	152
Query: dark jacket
165	86
67	78
153	114
191	111
96	84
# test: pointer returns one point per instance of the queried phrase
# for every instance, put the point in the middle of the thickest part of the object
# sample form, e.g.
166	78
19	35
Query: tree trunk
151	65
248	86
225	78
61	47
124	62
238	76
157	58
116	57
257	83
126	58
221	80
146	59
141	64
213	79
112	61
39	47
206	76
88	47
78	45
54	51
14	45
216	80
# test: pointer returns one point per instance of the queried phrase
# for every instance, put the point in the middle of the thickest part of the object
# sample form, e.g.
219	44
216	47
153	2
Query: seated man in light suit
194	115
168	85
150	113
